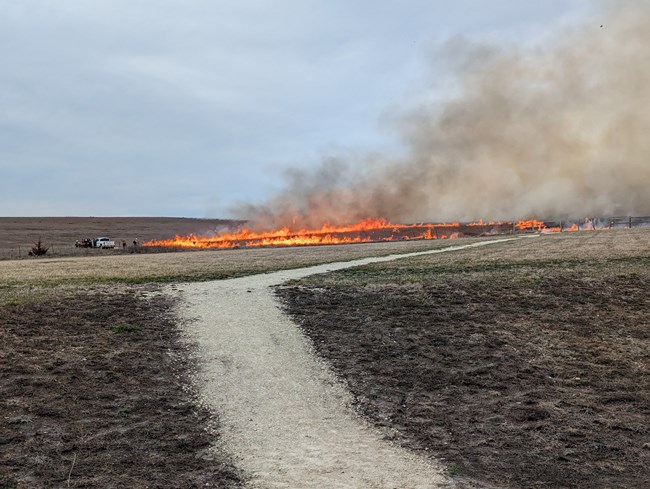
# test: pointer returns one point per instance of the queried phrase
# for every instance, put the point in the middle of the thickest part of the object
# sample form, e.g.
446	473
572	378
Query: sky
189	107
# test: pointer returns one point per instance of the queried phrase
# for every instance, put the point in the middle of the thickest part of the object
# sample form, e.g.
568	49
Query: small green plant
124	411
455	470
125	328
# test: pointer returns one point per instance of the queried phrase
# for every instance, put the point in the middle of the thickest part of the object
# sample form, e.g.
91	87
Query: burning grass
364	231
524	365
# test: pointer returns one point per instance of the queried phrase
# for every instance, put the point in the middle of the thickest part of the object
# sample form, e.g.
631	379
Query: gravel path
285	418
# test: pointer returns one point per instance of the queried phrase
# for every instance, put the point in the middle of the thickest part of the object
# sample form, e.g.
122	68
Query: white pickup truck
103	242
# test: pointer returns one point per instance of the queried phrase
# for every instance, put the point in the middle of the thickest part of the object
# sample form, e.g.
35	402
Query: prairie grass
191	265
607	251
525	361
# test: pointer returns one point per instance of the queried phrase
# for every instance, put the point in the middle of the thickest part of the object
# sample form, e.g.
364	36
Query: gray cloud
172	107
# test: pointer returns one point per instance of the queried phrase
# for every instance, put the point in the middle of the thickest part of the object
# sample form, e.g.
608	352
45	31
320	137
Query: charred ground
525	364
517	368
94	376
94	393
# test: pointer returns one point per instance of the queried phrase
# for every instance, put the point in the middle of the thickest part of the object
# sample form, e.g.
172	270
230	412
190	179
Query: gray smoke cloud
556	131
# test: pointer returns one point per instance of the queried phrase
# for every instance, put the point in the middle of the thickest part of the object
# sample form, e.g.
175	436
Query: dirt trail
285	418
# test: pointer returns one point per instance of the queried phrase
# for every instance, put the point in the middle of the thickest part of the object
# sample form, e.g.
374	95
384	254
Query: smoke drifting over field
556	131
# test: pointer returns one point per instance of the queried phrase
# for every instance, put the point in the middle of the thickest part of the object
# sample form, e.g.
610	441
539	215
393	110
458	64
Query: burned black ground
522	373
94	393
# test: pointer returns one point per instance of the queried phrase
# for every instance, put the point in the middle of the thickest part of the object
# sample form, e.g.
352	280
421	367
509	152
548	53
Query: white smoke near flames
555	131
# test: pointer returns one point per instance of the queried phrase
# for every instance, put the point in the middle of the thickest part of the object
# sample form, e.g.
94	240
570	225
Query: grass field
94	393
26	279
93	372
18	234
524	364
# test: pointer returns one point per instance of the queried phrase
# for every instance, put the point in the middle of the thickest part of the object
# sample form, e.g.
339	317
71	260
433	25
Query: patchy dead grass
524	364
607	250
191	266
94	393
93	373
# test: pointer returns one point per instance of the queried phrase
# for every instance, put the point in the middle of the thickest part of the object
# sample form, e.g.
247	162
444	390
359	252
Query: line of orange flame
328	234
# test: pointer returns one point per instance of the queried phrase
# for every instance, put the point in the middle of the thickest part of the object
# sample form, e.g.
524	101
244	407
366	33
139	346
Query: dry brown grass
585	245
520	364
17	234
572	250
190	266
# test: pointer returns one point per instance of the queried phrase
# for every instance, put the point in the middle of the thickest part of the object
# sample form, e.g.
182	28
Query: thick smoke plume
561	130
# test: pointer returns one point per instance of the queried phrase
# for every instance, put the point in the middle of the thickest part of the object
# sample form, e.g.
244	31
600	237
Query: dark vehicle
84	243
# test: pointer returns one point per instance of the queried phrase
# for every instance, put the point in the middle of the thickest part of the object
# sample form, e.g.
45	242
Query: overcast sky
185	107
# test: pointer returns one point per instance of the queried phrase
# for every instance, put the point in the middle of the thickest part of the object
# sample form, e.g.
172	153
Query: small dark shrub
39	248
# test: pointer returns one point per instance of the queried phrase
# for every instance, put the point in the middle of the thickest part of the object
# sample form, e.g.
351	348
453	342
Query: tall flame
364	231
